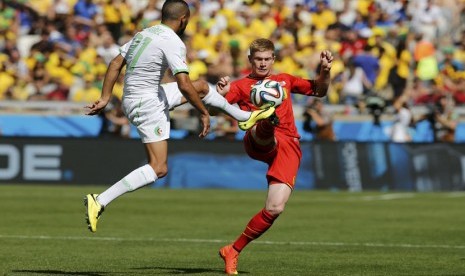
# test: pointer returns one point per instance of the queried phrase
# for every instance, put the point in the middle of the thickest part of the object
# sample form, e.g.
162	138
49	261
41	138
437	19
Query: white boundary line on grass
456	194
388	196
180	240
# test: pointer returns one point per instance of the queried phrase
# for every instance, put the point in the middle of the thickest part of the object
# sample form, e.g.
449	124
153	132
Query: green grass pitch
172	232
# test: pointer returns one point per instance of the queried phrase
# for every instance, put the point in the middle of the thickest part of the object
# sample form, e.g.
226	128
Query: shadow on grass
58	272
180	270
155	269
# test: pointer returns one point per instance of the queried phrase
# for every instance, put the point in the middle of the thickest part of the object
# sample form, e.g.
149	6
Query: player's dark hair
173	10
261	45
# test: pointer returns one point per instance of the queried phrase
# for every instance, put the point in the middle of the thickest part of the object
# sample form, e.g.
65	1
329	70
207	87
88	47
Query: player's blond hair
261	45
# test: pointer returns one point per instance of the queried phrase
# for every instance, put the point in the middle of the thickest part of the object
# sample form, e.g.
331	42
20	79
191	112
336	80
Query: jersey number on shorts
140	43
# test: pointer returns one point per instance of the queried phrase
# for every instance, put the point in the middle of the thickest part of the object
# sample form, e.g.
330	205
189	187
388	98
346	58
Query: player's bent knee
275	210
262	141
201	86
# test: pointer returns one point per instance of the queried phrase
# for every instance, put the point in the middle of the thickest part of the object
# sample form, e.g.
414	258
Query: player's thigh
285	164
259	152
174	95
150	116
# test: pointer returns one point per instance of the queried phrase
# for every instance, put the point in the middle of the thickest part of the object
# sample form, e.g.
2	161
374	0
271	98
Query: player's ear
183	20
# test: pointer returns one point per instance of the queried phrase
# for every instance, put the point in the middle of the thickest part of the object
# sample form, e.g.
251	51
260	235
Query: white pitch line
456	194
181	240
388	197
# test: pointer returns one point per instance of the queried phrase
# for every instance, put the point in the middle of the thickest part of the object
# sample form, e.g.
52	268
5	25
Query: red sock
255	228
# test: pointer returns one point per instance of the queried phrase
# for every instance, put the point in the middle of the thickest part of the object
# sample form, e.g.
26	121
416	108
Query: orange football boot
229	256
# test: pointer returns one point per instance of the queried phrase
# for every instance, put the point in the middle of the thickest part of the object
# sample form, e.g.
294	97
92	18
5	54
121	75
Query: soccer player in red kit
274	141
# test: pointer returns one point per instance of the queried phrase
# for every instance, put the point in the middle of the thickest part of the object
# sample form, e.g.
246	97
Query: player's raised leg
212	98
246	119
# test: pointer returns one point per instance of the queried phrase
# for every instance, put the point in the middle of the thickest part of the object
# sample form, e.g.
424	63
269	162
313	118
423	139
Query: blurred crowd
59	50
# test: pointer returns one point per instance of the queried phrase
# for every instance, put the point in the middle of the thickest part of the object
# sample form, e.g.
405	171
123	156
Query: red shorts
283	161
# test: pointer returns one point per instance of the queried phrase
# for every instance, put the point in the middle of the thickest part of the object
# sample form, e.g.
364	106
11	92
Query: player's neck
173	25
255	77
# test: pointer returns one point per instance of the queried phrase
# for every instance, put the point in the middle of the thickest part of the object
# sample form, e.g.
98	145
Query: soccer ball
266	93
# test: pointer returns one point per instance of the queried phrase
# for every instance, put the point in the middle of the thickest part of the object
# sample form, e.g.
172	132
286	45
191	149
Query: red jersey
240	93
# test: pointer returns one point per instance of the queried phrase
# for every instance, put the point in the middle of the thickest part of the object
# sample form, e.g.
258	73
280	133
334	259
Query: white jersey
148	54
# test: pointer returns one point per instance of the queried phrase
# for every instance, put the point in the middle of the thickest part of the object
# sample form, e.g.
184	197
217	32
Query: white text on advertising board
36	162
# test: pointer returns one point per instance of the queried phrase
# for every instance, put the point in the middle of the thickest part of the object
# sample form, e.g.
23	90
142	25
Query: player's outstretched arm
324	78
111	76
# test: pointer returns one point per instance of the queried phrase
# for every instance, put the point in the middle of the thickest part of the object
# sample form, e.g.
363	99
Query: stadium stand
54	53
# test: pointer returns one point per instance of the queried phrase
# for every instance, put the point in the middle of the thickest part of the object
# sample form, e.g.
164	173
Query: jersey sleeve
123	50
176	57
301	86
233	94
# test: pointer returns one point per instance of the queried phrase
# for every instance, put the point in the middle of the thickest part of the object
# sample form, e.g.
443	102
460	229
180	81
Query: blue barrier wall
195	163
49	125
200	170
86	126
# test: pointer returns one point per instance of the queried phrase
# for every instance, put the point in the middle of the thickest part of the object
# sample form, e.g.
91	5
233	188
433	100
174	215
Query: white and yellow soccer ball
266	93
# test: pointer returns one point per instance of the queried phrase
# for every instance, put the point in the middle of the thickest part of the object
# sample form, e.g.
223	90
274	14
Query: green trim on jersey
180	71
137	117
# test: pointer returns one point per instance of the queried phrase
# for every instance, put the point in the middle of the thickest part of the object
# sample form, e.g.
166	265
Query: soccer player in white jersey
146	102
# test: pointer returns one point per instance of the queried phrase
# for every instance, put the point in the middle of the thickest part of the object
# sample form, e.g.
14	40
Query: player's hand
326	59
223	85
205	121
96	107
